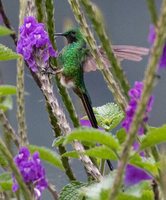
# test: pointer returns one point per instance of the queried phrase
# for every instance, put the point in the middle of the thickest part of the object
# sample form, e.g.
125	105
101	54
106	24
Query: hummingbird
75	59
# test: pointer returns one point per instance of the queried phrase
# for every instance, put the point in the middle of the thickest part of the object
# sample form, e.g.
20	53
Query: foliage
108	116
5	182
5	96
7	54
101	191
154	136
5	31
134	145
92	135
47	155
71	191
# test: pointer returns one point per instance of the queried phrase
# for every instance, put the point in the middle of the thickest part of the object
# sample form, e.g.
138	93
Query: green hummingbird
75	59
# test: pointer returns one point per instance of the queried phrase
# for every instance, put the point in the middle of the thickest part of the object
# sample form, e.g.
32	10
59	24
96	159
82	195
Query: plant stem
148	87
113	85
62	90
7	22
153	11
102	166
65	96
8	128
52	190
162	177
22	129
49	4
155	190
39	8
116	69
17	175
47	90
61	148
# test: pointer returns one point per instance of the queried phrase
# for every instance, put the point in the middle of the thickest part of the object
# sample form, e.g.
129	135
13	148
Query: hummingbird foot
51	71
47	71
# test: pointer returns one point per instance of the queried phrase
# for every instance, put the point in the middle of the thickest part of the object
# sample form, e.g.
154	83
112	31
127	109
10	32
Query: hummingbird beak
58	34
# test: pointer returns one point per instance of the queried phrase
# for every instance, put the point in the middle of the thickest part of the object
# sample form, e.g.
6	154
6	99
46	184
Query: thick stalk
39	8
116	69
149	80
8	128
22	129
153	11
61	148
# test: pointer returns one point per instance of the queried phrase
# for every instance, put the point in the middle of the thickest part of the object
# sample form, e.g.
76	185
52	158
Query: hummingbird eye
73	33
71	36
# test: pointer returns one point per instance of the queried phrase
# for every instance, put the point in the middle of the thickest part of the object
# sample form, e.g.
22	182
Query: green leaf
71	191
153	137
3	161
5	176
72	154
104	194
58	141
47	155
7	90
102	152
93	135
7	54
121	135
147	195
146	164
124	196
108	116
6	181
6	103
5	31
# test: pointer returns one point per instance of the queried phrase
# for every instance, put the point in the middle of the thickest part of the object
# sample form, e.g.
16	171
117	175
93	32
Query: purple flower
32	171
85	122
152	34
34	44
22	156
135	95
151	39
134	175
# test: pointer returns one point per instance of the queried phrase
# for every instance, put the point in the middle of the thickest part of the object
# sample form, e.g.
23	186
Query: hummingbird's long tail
89	110
87	105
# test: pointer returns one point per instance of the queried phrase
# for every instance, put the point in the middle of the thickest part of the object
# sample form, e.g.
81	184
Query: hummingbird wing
122	52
